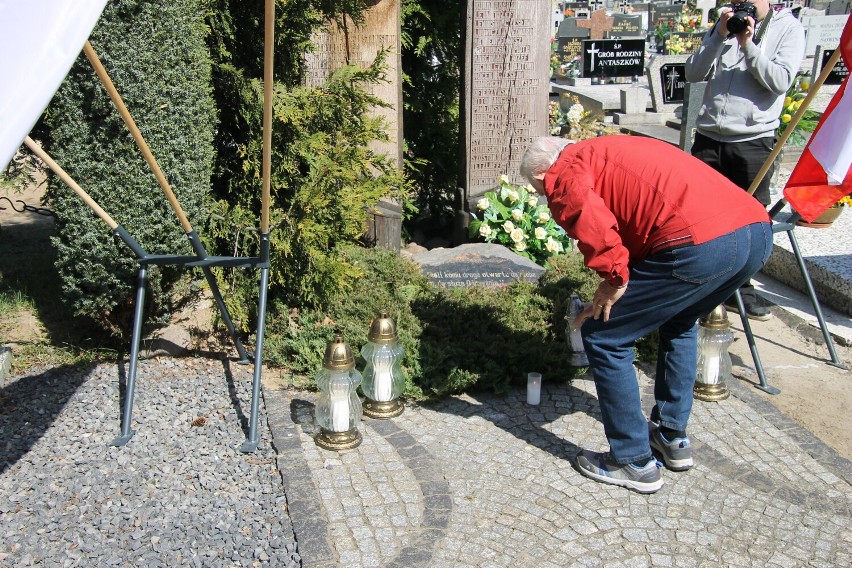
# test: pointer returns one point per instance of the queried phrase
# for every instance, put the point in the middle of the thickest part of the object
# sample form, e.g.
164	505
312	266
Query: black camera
738	23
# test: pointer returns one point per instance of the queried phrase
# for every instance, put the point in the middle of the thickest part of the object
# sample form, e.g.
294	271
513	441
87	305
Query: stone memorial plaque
613	57
570	41
356	45
657	82
598	24
824	31
477	264
838	73
686	42
626	25
506	88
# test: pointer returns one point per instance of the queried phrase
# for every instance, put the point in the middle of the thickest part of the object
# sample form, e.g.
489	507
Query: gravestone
608	58
506	89
626	26
359	45
666	12
837	8
571	9
824	31
704	6
595	5
692	99
666	81
686	42
623	7
476	264
569	42
598	24
837	74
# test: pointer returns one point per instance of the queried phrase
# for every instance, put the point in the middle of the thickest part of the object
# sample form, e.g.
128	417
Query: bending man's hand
605	297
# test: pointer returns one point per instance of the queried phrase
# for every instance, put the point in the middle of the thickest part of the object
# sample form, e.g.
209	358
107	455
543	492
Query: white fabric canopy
39	41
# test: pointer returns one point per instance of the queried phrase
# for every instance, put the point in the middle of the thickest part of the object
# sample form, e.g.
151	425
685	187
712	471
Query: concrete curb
5	362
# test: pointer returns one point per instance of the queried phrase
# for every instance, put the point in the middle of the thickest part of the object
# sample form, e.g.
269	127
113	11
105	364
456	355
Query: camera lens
737	23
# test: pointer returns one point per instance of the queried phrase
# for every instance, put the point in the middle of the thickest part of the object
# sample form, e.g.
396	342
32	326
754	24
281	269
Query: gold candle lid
338	355
717	319
382	329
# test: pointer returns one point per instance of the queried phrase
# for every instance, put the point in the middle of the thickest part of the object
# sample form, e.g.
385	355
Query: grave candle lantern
338	410
578	356
714	361
384	380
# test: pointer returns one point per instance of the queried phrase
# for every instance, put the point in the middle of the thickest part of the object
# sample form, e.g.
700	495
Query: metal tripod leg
758	365
136	338
835	361
199	249
252	440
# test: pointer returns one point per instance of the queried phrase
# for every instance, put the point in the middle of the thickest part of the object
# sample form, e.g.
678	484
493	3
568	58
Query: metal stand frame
788	227
205	262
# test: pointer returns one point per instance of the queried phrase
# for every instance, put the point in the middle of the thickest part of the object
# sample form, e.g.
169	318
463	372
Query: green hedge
156	55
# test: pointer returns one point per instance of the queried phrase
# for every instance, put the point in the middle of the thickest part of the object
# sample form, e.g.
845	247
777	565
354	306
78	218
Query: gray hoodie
745	94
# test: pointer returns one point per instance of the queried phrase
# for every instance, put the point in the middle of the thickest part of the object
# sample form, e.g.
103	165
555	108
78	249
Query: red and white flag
822	175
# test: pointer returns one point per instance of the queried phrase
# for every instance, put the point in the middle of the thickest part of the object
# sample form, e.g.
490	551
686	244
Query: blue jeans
668	291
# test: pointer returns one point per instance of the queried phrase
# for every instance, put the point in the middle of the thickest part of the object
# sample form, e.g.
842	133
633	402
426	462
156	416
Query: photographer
749	59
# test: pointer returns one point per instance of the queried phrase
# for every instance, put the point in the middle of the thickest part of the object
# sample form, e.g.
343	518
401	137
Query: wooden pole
63	175
137	135
268	53
795	120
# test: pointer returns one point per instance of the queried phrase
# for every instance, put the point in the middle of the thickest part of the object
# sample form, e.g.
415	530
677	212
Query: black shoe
754	308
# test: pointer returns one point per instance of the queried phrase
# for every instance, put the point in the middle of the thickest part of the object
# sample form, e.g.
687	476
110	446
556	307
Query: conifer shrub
457	340
156	55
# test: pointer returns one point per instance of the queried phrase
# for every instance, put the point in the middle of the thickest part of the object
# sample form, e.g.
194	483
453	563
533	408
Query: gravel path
179	493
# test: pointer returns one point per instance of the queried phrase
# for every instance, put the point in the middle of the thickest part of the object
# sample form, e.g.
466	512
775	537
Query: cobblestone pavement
488	480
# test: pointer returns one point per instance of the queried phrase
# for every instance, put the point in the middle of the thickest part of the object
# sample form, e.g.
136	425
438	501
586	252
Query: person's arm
584	216
699	64
776	71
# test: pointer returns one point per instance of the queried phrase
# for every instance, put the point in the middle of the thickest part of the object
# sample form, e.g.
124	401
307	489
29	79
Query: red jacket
626	197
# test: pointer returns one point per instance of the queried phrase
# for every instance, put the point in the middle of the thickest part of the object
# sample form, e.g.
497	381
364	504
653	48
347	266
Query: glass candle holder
714	362
534	388
384	380
338	410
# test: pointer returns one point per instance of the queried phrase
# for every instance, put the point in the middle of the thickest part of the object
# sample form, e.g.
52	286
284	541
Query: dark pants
668	291
737	161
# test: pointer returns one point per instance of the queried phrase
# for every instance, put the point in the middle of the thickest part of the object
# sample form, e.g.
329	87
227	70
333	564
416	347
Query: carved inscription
506	87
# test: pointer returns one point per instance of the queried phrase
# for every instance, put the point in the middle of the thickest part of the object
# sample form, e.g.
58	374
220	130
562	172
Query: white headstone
824	31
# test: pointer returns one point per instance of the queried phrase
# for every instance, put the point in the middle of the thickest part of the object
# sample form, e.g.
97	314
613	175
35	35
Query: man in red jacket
672	239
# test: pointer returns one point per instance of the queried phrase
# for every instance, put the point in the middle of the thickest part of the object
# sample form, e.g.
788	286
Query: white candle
382	376
533	388
711	369
339	395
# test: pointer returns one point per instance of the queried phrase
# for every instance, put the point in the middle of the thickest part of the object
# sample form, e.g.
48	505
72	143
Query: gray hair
541	154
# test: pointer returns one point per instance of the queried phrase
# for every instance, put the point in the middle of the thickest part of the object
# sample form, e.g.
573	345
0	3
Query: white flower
517	214
484	230
517	235
483	204
520	246
512	195
575	114
552	246
503	179
540	233
530	189
532	201
508	226
543	217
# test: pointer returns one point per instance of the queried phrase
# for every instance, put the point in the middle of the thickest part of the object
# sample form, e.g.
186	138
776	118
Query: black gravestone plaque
569	49
665	12
673	81
613	57
838	73
625	25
